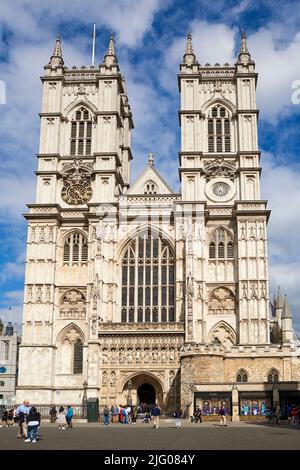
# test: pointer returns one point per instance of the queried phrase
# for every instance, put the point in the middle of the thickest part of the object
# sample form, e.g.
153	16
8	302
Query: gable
152	182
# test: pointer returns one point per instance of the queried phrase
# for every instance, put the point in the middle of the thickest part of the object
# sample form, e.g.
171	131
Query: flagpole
94	44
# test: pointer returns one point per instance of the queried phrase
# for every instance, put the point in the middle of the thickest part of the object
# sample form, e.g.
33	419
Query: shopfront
254	403
211	402
288	400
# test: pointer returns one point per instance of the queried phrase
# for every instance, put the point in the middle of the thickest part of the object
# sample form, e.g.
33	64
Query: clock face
220	189
77	193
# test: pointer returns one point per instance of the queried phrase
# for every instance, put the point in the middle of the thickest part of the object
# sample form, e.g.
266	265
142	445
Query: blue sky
150	38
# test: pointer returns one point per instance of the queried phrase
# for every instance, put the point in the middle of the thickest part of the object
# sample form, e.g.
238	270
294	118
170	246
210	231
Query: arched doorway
146	394
144	388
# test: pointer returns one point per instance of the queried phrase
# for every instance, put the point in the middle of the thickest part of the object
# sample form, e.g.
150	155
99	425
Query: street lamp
129	388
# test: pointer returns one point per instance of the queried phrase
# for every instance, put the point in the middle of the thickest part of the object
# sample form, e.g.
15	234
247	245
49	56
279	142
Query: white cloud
281	186
130	19
278	66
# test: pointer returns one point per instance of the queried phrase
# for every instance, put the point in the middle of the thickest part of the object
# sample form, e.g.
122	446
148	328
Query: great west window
148	280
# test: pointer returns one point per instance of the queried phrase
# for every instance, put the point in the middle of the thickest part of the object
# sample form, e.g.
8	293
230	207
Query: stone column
235	403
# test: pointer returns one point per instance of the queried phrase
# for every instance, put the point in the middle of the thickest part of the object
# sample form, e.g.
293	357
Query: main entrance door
146	395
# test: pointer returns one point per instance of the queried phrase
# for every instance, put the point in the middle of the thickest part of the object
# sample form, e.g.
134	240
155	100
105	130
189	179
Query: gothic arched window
221	246
273	375
218	130
81	133
75	249
78	357
148	280
242	376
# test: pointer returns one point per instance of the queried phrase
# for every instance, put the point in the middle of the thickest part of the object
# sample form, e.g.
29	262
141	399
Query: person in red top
294	414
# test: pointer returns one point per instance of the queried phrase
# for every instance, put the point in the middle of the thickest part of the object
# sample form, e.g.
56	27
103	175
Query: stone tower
83	160
220	178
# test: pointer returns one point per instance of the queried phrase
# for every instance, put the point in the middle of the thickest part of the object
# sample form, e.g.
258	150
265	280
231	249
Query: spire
244	56
189	57
151	160
286	313
279	299
110	57
56	58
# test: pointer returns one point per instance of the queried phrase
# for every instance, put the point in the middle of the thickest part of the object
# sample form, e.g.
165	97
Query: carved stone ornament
222	301
219	168
77	187
72	305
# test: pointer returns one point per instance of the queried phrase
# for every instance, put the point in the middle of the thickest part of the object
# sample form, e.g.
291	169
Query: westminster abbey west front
135	293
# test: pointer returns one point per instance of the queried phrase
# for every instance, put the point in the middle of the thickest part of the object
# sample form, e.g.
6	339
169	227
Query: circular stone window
220	189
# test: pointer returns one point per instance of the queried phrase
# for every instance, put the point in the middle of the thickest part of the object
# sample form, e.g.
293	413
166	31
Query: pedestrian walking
4	419
177	416
33	421
69	416
22	411
155	413
134	415
61	419
106	414
198	415
222	414
10	420
53	414
15	417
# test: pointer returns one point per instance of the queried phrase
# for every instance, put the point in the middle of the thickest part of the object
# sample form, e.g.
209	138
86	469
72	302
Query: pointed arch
219	101
70	332
222	334
148	278
77	104
219	126
147	376
74	244
70	344
221	244
242	376
157	231
273	375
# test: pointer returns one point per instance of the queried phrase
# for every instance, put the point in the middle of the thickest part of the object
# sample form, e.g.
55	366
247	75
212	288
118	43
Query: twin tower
131	286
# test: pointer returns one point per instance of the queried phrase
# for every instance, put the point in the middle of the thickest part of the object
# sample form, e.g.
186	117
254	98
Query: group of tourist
128	414
28	419
63	418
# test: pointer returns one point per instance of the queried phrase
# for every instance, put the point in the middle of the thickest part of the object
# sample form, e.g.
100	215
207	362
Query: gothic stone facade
138	283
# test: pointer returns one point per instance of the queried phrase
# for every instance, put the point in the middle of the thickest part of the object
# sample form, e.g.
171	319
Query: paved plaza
206	436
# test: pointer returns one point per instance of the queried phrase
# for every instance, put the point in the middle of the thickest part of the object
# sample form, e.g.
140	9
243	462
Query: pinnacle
244	48
111	45
189	44
57	49
110	57
189	57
